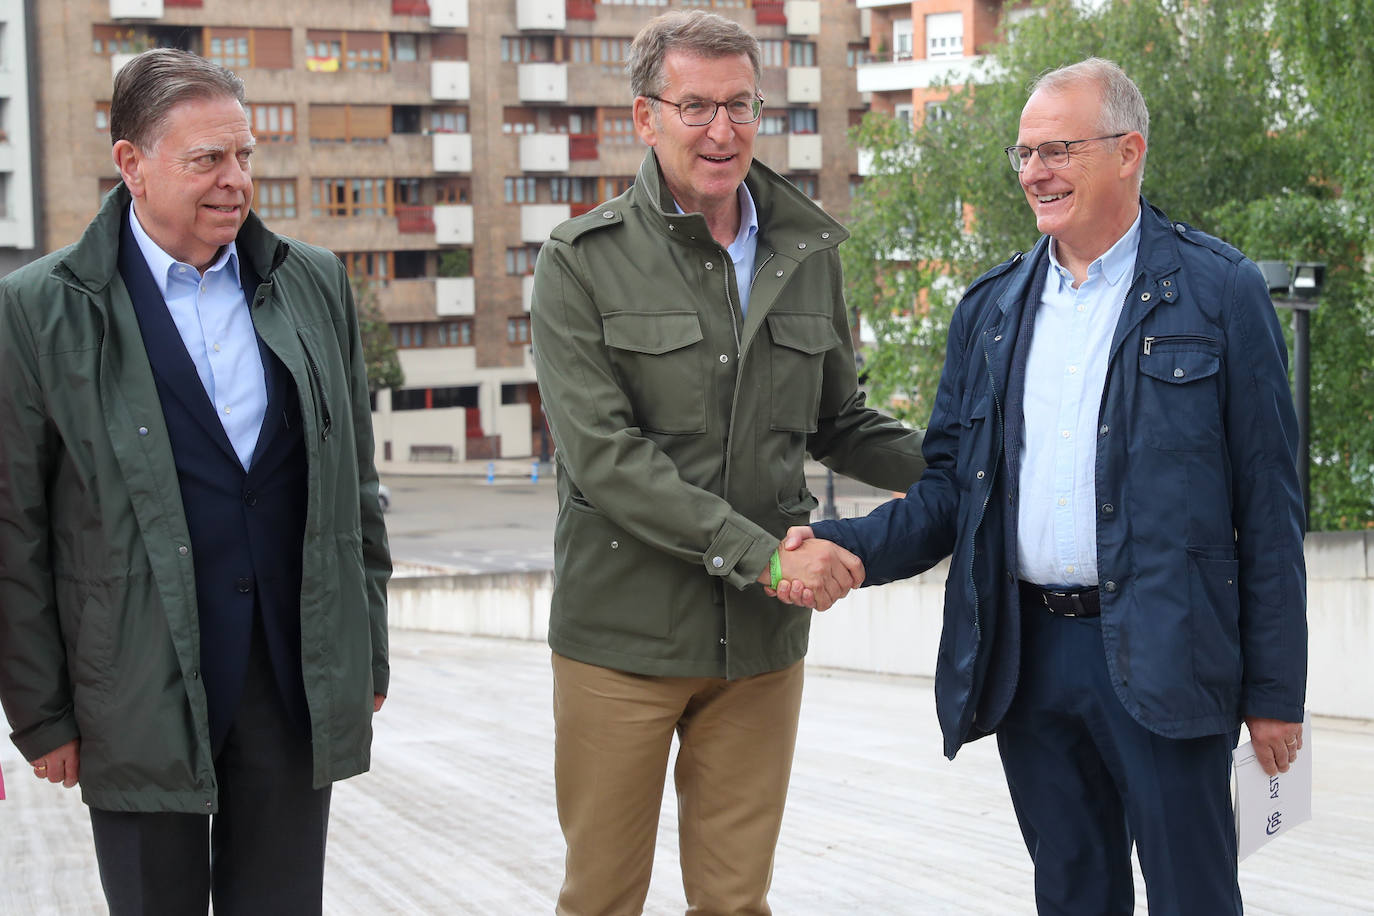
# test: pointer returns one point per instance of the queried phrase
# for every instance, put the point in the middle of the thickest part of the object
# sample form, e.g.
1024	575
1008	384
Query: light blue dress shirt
1066	370
211	314
744	248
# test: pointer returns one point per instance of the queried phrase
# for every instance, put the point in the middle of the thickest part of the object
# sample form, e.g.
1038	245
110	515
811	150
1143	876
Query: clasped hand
815	573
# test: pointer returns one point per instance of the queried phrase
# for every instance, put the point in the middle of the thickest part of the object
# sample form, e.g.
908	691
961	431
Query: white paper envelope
1269	806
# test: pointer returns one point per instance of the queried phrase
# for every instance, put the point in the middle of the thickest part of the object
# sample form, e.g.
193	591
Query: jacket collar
790	224
93	261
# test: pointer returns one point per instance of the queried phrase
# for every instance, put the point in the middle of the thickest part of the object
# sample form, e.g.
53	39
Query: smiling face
703	166
192	190
1091	202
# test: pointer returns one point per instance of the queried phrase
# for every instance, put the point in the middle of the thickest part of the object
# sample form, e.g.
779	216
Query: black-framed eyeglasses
700	112
1054	153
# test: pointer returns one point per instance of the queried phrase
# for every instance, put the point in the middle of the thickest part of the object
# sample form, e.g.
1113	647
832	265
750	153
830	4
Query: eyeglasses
699	112
1054	153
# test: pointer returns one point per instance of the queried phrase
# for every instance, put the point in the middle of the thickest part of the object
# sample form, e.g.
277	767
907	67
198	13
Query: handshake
815	573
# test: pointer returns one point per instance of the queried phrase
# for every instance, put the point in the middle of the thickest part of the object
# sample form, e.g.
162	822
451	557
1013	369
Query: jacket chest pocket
658	356
800	342
1180	406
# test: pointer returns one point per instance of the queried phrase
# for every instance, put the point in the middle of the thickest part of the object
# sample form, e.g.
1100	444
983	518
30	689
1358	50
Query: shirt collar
1112	264
748	218
163	265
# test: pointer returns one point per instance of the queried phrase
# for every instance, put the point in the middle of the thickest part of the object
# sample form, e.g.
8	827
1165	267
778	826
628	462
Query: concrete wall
896	629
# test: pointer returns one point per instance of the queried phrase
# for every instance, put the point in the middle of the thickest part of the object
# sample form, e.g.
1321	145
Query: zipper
1171	338
734	317
758	270
326	421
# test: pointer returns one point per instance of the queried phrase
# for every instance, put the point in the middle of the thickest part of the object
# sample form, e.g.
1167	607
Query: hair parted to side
1123	107
697	32
155	82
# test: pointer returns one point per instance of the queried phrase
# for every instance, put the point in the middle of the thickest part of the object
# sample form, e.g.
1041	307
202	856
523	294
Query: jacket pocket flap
651	332
1179	366
803	331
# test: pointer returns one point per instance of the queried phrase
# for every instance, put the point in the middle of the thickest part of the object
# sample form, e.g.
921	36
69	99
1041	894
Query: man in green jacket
193	561
693	345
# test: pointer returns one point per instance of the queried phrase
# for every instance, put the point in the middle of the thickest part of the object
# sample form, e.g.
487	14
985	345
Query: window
448	46
805	183
903	39
801	54
579	50
634	2
773	122
228	48
426	398
275	198
107	40
405	46
527	49
454	333
772	52
452	190
520	190
520	261
613	187
102	116
937	112
350	123
518	330
944	35
448	120
350	197
408	336
569	190
801	120
374	266
241	48
273	122
365	51
328	51
855	54
518	121
612	53
903	112
618	129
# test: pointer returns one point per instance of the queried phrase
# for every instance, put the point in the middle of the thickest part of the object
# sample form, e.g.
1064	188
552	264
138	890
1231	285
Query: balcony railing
769	12
581	146
415	219
581	9
190	4
410	7
578	208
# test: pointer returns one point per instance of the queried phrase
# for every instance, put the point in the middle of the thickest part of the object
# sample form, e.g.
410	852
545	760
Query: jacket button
244	585
825	235
779	273
1108	509
724	359
801	244
1104	430
1178	373
195	674
250	498
615	545
1144	297
979	475
1109	586
143	430
717	562
182	550
710	265
608	214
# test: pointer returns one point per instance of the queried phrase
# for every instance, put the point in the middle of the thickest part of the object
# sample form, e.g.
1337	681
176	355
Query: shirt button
1073	370
717	562
1062	432
1068	569
724	359
1063	501
226	410
216	348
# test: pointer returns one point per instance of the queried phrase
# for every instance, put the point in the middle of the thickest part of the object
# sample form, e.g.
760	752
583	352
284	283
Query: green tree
1231	151
379	351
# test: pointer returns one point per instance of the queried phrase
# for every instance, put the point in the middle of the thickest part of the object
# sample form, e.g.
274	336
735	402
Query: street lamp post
1300	285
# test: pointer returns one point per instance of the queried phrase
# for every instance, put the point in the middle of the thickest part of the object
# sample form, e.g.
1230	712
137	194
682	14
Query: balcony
448	80
906	75
453	224
769	12
448	14
135	9
415	219
803	152
581	9
537	221
410	7
582	147
544	153
543	82
544	15
455	296
452	152
804	85
803	17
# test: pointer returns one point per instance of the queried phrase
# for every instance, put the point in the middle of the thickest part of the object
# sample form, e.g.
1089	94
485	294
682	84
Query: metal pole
830	494
1302	383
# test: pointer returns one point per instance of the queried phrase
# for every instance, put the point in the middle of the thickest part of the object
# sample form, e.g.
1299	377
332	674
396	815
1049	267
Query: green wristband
775	569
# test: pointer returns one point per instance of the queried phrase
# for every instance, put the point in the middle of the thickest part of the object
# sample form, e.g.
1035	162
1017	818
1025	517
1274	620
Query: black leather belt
1081	603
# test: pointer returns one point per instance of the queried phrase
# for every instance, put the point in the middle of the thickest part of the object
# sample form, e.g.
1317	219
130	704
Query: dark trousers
1087	781
261	854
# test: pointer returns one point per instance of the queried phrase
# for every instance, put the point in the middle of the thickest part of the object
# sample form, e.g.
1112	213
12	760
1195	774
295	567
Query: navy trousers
1087	780
261	855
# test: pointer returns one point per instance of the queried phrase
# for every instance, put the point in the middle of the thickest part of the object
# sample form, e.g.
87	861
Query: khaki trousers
613	732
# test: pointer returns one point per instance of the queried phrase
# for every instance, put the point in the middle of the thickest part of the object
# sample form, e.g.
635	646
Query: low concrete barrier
895	629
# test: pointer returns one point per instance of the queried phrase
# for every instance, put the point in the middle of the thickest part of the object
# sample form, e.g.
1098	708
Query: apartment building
434	144
18	220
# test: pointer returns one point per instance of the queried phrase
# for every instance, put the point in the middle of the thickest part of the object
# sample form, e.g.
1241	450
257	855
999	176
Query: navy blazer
247	527
1199	510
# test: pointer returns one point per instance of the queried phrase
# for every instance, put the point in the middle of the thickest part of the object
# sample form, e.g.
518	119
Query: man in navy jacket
1111	462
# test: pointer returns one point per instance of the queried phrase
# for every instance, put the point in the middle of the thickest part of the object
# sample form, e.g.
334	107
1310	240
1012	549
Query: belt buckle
1074	599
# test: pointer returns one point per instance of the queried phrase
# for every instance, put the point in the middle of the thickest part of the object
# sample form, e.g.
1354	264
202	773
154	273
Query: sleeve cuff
739	553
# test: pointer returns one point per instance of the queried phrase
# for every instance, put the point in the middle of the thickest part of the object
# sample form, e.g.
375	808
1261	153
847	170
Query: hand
816	573
62	764
377	700
1276	743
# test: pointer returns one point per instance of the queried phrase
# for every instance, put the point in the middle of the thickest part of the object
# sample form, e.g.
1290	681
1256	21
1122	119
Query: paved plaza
457	815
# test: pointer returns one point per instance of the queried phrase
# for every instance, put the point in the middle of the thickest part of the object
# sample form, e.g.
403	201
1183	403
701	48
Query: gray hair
696	32
1123	107
148	87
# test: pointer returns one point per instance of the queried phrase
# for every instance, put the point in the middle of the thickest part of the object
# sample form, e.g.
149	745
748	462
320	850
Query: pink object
2	785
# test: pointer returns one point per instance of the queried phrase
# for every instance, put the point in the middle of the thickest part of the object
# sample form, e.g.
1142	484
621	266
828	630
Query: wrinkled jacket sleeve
850	438
1262	439
34	682
907	536
376	554
622	472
